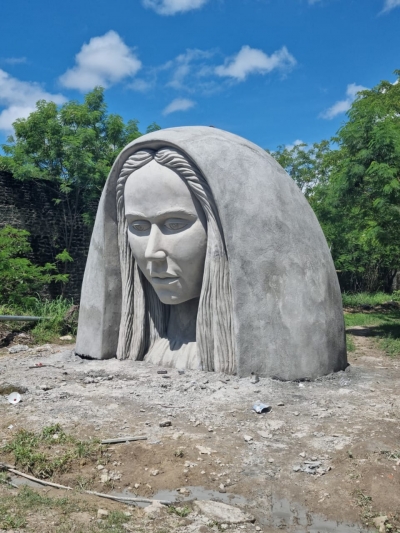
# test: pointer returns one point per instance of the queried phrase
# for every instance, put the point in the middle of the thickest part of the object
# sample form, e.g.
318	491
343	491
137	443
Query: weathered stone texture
29	205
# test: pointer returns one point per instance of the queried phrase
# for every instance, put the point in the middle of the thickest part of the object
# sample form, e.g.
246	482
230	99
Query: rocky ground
324	458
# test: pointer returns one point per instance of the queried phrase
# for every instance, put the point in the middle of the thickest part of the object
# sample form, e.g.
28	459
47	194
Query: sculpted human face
166	232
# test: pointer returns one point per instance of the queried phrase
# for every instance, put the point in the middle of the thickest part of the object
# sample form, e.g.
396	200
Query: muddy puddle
292	517
278	513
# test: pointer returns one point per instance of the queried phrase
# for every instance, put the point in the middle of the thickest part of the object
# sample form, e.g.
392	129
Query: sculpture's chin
171	299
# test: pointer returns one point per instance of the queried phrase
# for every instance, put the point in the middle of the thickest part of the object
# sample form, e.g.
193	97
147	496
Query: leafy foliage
20	279
72	147
353	184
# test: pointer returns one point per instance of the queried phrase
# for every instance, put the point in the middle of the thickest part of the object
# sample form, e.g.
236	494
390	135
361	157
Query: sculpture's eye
176	224
140	225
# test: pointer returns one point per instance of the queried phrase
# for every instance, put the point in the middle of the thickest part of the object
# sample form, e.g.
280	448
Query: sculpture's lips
164	279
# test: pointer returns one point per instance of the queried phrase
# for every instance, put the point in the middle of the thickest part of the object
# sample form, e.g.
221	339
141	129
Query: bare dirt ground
347	423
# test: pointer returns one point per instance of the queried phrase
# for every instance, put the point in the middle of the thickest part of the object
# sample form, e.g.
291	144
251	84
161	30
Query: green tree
72	147
20	279
353	184
307	165
364	187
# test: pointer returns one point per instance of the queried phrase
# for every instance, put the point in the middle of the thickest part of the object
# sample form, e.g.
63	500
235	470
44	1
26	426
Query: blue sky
273	71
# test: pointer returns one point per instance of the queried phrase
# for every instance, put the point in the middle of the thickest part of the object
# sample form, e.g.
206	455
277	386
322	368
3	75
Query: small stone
136	485
154	472
379	522
45	386
224	526
296	413
153	510
104	478
258	528
204	450
279	404
222	513
102	514
100	467
270	460
265	434
296	468
165	423
18	348
248	438
302	454
203	472
254	379
66	338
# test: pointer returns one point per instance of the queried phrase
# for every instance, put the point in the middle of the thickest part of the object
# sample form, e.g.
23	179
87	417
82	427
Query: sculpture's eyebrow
170	212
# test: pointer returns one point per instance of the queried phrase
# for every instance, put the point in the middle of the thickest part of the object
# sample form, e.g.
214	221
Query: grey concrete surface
286	302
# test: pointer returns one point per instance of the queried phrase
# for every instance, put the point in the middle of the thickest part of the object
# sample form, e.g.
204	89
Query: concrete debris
379	523
18	348
165	423
204	450
222	513
312	467
153	511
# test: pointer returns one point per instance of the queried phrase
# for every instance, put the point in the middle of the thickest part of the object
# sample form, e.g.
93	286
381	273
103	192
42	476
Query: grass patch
351	347
360	299
179	511
31	509
51	451
57	321
384	326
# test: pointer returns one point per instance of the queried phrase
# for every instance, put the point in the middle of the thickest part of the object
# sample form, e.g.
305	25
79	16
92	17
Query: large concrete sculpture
206	255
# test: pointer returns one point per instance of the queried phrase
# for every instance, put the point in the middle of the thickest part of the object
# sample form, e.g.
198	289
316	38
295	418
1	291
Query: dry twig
9	468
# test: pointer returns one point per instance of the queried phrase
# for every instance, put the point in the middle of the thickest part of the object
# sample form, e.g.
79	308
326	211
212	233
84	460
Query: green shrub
20	279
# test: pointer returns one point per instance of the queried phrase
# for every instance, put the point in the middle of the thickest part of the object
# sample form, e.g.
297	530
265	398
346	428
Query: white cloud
171	7
343	105
179	104
251	60
14	60
191	62
297	142
104	61
19	99
389	5
141	86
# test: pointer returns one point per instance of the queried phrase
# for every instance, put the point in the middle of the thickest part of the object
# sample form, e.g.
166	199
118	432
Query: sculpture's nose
154	249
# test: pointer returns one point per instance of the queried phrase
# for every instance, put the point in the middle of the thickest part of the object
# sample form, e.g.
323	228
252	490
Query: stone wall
29	205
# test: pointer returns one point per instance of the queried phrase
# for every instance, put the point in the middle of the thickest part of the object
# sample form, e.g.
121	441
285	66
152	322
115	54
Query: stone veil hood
287	307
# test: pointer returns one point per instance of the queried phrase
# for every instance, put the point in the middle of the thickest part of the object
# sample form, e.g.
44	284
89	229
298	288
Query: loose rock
222	513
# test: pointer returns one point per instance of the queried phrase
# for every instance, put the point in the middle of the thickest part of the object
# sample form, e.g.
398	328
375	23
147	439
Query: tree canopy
72	147
353	184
